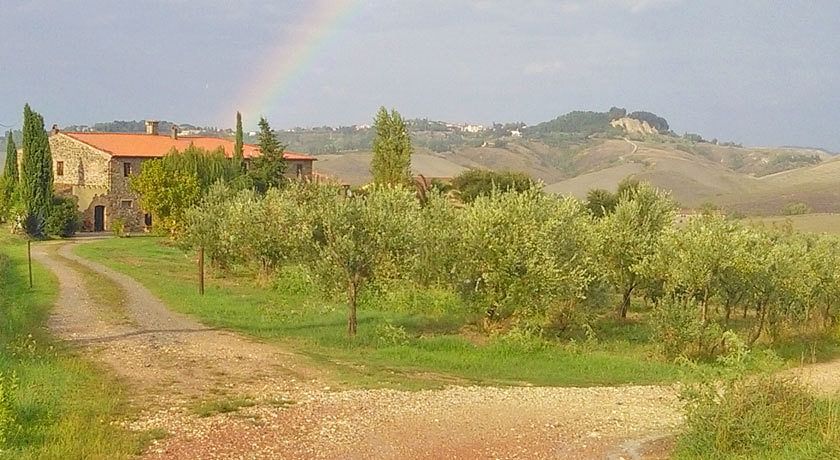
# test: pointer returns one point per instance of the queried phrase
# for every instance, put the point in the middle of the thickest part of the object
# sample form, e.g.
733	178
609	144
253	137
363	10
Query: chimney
175	130
152	127
55	129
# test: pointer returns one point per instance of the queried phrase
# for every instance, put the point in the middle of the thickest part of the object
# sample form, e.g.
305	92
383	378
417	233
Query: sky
752	71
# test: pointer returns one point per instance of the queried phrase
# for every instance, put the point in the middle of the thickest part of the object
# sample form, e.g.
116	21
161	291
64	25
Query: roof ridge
87	138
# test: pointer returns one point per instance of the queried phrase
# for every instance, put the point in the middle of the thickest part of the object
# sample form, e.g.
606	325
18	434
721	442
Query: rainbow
292	57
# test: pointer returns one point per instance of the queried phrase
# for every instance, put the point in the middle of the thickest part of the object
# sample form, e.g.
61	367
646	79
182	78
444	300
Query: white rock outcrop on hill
633	126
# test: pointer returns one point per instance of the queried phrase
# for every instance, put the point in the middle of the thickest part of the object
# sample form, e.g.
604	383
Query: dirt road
173	365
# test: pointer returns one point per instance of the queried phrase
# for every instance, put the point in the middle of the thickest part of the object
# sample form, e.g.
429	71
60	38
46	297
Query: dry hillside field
695	174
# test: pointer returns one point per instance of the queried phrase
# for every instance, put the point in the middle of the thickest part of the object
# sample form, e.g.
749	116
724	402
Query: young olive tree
692	260
523	253
364	238
438	236
780	284
824	260
631	236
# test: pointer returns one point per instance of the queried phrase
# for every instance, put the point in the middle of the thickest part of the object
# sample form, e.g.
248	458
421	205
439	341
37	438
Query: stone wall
305	168
83	164
123	203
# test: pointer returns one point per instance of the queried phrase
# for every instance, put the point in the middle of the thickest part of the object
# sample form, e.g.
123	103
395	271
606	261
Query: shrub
389	334
521	338
478	182
64	219
757	417
406	297
679	331
295	280
795	209
118	227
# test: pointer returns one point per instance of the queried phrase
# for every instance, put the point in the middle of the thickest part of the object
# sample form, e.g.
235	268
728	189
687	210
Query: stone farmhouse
96	167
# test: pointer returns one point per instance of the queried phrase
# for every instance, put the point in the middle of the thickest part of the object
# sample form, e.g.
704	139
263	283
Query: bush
478	182
757	417
795	209
389	334
678	330
118	227
295	280
405	297
64	219
521	338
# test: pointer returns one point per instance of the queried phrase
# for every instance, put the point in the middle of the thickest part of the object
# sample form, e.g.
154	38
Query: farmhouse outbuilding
95	167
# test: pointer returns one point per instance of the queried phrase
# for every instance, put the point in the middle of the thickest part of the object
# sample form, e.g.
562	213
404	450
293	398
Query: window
126	169
59	168
125	204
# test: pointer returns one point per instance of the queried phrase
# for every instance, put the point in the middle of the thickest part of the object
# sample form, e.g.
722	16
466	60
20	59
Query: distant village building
96	167
472	128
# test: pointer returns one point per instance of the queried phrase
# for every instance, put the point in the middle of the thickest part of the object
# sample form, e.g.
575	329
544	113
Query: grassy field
396	349
806	223
60	405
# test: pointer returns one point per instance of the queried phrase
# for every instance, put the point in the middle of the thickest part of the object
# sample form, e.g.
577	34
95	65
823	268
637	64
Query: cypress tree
391	163
238	153
10	171
9	180
36	182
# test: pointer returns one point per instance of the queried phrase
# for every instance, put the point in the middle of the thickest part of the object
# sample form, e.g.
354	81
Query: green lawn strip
433	354
62	406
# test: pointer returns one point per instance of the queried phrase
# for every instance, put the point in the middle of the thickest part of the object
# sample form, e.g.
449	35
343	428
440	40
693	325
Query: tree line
544	262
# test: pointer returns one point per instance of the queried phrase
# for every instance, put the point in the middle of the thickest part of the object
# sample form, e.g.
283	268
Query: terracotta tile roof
155	146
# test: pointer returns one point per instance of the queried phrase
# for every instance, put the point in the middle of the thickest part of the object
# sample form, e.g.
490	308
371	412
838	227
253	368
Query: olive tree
630	238
360	239
824	260
522	253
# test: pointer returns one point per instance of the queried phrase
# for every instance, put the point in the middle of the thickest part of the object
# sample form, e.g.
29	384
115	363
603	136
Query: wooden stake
201	270
29	256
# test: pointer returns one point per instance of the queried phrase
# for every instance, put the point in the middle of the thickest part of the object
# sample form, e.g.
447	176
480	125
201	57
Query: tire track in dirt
171	362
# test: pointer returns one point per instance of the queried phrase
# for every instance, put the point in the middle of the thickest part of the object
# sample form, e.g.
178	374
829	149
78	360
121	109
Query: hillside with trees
569	154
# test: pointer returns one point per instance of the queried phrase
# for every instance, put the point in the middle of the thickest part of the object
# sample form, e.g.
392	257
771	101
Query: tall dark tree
10	171
238	149
267	170
9	180
391	163
36	178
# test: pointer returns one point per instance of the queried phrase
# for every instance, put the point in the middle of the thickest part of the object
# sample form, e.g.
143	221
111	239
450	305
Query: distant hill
579	151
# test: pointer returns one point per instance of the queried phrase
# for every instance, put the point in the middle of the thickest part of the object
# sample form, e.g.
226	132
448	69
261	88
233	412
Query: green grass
806	223
435	349
62	405
758	418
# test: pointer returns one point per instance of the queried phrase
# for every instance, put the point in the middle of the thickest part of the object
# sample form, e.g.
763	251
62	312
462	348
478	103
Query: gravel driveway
172	364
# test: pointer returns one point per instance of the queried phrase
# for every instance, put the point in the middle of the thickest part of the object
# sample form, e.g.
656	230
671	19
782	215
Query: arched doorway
99	219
